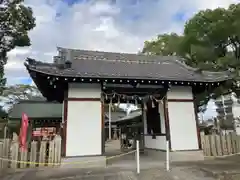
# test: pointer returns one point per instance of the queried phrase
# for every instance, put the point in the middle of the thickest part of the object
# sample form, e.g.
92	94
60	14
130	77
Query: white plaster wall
180	92
182	120
78	90
160	142
84	121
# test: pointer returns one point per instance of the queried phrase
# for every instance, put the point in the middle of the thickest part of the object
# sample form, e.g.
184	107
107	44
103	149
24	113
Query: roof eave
219	79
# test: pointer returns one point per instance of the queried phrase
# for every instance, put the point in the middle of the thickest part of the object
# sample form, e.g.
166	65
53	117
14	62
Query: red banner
23	132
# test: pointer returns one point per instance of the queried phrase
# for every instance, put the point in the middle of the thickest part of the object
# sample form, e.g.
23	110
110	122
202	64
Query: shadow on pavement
227	168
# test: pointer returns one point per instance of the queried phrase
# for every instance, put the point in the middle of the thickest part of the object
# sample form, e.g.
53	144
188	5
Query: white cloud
203	4
99	25
19	51
13	65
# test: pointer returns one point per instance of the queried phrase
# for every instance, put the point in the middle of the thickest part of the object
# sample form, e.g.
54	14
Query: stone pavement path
176	173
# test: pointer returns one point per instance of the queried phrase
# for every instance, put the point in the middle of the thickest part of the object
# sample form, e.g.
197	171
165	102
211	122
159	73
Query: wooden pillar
64	123
103	128
167	127
143	127
197	120
134	137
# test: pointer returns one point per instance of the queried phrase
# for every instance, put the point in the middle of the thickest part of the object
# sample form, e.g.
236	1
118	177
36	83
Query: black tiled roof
95	64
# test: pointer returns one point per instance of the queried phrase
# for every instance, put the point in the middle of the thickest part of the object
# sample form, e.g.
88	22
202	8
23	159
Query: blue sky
72	2
109	25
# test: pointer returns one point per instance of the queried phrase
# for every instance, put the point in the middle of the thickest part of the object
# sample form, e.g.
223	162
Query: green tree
3	113
16	20
18	92
217	33
3	121
165	45
211	41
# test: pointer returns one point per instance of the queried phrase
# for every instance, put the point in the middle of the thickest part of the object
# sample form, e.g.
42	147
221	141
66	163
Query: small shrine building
85	80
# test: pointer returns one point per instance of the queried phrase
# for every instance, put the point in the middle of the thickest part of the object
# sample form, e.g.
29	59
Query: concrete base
155	154
175	156
84	162
180	156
